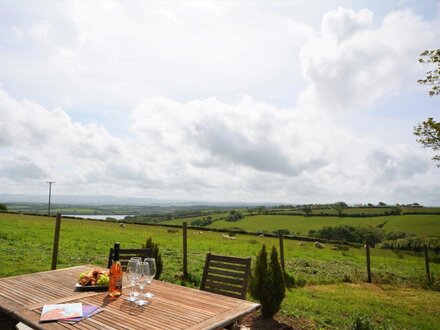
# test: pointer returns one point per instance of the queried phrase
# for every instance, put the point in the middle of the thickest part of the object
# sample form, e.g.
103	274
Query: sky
244	101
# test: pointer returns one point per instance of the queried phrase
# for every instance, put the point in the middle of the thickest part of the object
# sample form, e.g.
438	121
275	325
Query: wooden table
174	307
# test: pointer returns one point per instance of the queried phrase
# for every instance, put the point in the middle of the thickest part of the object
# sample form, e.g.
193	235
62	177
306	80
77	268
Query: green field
180	221
335	292
420	225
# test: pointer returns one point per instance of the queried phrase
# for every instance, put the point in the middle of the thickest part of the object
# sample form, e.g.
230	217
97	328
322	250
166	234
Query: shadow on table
131	308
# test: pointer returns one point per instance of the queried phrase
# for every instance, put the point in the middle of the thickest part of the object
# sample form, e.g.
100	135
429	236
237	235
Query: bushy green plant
362	323
267	283
156	255
258	279
281	232
234	216
369	234
289	280
3	207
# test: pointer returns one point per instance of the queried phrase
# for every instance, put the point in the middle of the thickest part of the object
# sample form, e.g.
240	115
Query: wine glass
133	276
143	268
150	275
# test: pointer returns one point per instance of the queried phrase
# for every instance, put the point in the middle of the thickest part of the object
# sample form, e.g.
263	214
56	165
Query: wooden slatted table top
173	307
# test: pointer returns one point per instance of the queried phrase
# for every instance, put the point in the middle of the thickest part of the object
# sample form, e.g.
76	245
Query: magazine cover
88	310
61	311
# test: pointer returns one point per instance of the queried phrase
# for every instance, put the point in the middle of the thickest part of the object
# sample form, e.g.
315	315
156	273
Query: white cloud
203	149
353	62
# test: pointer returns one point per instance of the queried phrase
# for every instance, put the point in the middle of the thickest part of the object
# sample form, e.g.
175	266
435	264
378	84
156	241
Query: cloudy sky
264	101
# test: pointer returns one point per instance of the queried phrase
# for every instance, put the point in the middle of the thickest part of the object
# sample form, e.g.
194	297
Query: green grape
83	274
103	280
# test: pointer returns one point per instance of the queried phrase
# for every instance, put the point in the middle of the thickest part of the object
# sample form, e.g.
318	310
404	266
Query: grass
335	306
326	300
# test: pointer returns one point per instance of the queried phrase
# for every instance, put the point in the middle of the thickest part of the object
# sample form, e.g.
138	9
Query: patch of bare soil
255	321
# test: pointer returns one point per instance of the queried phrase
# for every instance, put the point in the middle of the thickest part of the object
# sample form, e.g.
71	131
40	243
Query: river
96	217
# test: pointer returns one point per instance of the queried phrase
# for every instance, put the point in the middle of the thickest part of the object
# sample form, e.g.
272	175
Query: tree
429	136
281	232
428	132
307	209
3	207
267	283
234	216
339	207
258	279
277	286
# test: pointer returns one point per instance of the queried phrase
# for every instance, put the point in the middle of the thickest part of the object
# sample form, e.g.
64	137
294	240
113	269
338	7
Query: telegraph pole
50	192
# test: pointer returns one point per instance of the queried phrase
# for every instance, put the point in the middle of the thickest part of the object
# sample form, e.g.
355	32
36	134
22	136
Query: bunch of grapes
95	277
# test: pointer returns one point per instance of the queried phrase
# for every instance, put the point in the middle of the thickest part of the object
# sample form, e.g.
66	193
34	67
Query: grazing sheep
261	235
122	225
319	245
200	232
334	248
301	243
228	237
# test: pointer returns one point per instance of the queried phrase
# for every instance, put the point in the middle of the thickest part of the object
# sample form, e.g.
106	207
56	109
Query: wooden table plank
173	307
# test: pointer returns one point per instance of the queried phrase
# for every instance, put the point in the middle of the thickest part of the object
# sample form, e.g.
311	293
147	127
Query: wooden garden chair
126	254
228	276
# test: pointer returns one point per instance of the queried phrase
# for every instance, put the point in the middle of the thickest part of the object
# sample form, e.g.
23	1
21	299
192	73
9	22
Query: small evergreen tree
267	283
258	279
3	207
156	255
277	286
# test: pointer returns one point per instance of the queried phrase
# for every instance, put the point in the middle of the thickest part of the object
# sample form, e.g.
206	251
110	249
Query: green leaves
432	76
429	135
429	131
267	283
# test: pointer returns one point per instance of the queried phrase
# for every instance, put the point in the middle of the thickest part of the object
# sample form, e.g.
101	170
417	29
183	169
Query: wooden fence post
282	252
428	274
367	249
185	252
55	241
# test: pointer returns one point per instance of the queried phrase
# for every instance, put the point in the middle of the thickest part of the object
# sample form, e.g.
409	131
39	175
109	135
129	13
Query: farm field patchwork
422	225
327	293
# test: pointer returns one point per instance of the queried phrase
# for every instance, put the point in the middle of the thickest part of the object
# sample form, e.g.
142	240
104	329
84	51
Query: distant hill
114	200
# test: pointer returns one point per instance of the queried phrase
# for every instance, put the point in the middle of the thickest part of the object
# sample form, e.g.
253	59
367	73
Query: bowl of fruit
96	279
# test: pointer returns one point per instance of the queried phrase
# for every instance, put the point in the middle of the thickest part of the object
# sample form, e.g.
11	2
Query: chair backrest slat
226	275
126	254
236	281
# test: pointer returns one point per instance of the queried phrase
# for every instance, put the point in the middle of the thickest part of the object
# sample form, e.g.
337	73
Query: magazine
61	311
88	310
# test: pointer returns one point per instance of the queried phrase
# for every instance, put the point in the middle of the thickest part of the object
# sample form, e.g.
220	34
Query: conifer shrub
267	282
156	255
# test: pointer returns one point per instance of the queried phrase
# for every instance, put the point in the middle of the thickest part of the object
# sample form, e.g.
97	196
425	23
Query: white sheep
319	245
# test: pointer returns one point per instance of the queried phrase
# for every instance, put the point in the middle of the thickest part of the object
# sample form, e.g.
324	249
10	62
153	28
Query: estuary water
96	217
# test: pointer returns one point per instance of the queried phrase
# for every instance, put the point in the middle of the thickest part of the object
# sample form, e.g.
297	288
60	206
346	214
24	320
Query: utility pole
50	192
